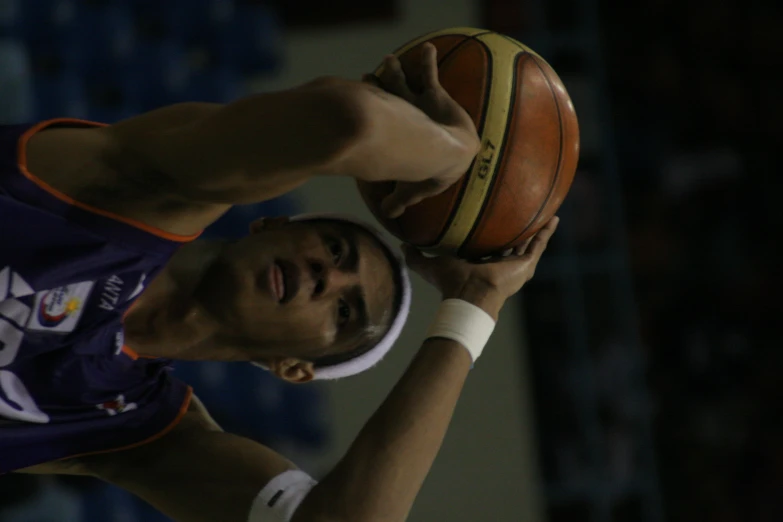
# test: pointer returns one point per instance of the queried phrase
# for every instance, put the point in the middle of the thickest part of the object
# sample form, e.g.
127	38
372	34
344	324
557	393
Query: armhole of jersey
173	424
127	350
22	165
134	355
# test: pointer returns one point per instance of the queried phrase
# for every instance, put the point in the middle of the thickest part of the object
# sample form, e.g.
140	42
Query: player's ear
270	223
292	370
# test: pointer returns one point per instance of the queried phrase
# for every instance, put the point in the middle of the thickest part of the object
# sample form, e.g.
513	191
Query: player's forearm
250	150
398	142
203	475
384	469
265	145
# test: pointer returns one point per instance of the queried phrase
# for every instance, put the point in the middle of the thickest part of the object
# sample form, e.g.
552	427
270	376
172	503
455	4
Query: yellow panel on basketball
493	130
529	147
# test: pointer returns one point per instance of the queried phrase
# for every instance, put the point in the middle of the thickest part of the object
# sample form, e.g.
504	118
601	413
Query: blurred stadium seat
252	44
59	95
156	74
16	96
114	58
10	18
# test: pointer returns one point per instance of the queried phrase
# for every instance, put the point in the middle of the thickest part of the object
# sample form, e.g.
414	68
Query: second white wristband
463	322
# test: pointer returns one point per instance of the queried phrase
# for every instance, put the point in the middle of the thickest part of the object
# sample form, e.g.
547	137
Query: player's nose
330	280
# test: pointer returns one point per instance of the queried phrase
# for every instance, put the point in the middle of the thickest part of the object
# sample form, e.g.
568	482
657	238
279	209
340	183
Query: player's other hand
485	284
425	92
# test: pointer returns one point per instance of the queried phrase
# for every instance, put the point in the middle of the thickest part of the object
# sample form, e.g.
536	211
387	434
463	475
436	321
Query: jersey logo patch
59	309
116	406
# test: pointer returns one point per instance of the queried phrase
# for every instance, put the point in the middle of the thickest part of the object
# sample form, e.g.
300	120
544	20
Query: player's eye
336	250
343	313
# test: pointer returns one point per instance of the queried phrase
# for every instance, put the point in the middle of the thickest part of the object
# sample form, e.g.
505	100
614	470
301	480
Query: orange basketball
529	147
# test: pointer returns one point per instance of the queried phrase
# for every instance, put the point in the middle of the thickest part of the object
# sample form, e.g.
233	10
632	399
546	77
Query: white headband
374	355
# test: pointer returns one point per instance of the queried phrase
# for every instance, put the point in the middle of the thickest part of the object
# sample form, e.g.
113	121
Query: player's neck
166	321
187	267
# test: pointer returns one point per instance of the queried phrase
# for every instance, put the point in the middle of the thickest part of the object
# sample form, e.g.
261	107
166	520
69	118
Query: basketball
529	147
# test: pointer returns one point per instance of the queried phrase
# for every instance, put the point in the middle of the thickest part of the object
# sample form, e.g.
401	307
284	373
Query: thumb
406	195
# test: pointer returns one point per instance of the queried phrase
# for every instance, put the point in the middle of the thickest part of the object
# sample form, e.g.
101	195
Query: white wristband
463	322
280	498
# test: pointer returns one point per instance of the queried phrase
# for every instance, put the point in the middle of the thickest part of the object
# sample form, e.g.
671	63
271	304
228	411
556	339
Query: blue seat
217	85
61	95
44	20
100	35
182	20
16	82
110	112
11	19
45	30
302	416
241	398
111	94
84	37
156	74
108	503
252	42
156	20
205	16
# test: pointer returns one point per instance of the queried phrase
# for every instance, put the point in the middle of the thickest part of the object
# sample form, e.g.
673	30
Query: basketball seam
463	188
519	44
559	155
521	55
479	128
522	47
403	46
451	51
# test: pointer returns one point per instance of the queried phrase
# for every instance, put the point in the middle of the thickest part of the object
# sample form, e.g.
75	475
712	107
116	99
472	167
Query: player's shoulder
65	157
78	161
99	168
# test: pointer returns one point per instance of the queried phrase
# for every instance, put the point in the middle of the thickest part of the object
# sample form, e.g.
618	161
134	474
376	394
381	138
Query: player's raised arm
266	144
198	474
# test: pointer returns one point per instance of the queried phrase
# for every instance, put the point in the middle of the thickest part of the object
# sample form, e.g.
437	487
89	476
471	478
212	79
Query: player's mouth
284	278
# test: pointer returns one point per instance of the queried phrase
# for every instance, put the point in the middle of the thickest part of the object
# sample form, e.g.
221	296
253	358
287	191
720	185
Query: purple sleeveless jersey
68	272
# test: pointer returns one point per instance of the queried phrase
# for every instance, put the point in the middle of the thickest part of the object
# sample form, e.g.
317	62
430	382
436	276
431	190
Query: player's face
301	289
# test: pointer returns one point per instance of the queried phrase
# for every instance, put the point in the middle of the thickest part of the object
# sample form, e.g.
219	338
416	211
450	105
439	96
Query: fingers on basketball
535	246
408	194
393	78
395	203
429	70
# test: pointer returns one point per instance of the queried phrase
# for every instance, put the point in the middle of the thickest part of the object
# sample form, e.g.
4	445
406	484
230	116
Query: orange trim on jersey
173	424
22	163
133	354
132	305
127	350
130	352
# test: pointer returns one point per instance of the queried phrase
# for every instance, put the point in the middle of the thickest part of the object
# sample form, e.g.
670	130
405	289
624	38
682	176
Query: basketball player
102	285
